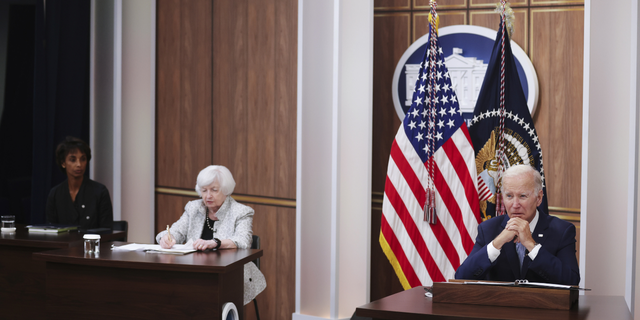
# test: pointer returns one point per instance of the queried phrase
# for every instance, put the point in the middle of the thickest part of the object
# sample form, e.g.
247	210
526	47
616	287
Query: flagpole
430	204
502	111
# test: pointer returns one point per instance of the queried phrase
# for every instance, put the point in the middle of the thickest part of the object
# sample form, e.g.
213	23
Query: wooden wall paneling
261	98
286	56
447	18
169	209
250	310
195	120
390	39
277	230
493	3
391	4
286	252
556	2
168	93
227	95
442	4
230	93
491	20
540	55
557	55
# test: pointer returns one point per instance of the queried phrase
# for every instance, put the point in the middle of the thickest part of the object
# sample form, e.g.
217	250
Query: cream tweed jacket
235	223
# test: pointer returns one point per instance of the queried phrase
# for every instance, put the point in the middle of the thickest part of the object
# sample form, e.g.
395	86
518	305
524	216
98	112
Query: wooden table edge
53	243
50	256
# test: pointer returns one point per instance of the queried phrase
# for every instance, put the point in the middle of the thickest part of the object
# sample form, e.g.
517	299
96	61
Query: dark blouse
92	208
207	233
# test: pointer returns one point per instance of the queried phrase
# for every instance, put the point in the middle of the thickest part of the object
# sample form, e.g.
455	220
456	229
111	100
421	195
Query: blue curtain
16	129
61	90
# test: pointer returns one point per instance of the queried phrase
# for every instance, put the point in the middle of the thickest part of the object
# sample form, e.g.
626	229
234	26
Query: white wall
335	63
102	99
609	180
314	159
606	161
632	298
138	118
123	109
633	267
355	117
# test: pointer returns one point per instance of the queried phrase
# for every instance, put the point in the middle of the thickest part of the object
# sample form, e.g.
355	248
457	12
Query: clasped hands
516	230
167	242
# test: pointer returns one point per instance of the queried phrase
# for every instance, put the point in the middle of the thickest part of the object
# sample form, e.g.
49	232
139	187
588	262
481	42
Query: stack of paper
176	249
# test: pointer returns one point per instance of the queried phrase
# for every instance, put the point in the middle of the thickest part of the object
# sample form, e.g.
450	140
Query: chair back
255	244
121	225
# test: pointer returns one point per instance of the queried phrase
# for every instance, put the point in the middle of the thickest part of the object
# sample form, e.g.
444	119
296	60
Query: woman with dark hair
78	200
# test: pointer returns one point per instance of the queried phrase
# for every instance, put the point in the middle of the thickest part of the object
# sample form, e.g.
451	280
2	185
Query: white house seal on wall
468	47
466	78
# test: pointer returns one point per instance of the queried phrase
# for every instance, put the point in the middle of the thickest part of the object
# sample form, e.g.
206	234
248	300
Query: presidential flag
432	151
518	137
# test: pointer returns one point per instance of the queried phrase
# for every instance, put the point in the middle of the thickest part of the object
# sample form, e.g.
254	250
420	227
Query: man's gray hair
216	173
521	169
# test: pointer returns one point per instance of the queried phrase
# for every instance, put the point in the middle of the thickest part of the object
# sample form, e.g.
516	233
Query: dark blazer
92	208
555	263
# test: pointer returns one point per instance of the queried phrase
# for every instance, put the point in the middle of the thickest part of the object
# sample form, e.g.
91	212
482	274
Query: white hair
212	174
521	169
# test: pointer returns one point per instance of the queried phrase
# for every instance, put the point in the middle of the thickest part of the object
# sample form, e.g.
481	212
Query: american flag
421	252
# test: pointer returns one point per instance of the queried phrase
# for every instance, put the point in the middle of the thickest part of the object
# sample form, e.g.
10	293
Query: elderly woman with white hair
217	222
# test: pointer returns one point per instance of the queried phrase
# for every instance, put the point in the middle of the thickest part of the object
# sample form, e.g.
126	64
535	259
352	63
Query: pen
169	233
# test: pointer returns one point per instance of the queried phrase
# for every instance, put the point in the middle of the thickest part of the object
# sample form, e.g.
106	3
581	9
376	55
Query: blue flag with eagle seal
522	145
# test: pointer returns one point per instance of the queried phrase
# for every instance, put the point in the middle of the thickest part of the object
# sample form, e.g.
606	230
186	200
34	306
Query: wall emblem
467	50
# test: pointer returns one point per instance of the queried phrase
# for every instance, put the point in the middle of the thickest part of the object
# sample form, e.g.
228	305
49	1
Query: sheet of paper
491	283
542	284
176	249
130	247
526	283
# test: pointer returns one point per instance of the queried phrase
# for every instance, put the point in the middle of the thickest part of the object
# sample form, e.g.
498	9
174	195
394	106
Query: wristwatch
219	243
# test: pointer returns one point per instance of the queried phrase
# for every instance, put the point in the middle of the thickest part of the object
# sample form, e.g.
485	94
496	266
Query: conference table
412	304
22	279
143	285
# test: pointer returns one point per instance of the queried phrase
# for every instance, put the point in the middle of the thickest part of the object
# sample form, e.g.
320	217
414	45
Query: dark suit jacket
555	263
92	208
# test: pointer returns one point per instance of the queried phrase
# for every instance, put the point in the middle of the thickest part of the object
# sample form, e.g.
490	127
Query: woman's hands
211	244
204	244
165	243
